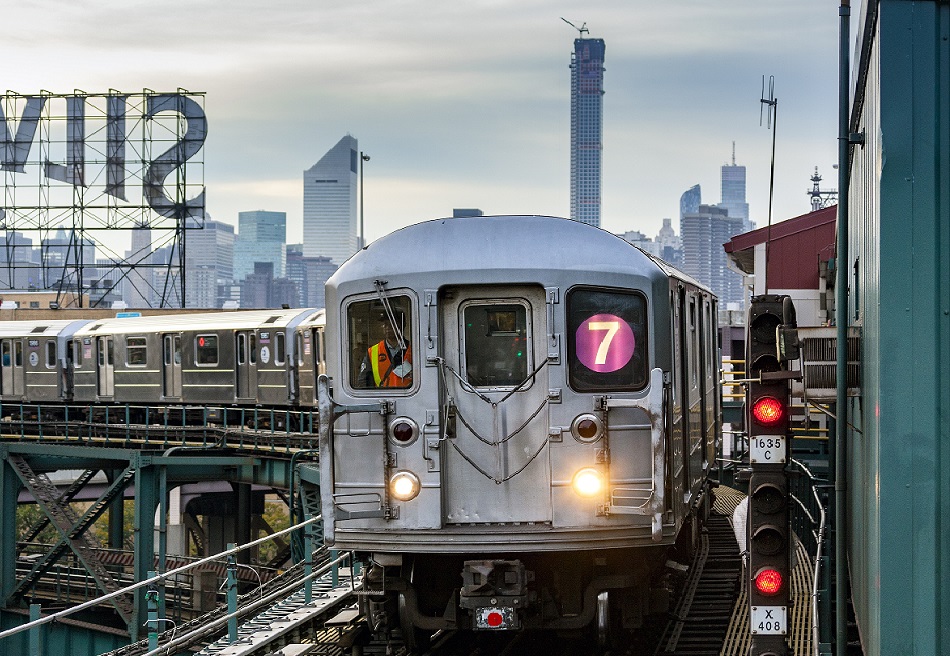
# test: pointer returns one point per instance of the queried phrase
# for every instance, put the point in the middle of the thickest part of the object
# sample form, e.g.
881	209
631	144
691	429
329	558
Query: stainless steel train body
258	357
33	366
549	443
216	358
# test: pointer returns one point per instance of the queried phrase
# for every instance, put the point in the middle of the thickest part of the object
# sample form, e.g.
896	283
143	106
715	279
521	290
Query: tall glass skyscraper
262	237
329	203
587	111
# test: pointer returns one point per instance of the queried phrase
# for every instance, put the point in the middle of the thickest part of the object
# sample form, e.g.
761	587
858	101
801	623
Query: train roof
513	243
37	327
246	319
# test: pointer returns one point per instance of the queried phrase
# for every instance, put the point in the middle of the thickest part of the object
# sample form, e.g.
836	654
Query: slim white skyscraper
733	192
587	112
329	203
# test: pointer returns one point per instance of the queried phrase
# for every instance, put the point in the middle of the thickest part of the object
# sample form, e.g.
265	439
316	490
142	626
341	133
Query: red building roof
796	246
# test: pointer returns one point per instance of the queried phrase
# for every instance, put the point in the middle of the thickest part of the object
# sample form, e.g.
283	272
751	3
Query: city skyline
462	105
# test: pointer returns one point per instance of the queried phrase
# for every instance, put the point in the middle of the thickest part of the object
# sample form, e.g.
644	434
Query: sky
461	104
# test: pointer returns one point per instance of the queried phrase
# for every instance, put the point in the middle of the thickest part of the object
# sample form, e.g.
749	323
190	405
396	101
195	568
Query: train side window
136	351
299	340
279	349
497	348
206	350
51	354
77	354
379	341
252	348
607	340
17	354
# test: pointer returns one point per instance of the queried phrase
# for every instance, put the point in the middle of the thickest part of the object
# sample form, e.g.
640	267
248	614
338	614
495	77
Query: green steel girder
72	530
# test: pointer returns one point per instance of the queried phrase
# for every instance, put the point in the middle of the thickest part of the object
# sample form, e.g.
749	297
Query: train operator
388	363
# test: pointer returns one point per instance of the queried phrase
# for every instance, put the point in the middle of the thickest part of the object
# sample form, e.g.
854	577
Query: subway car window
606	340
50	354
279	349
497	352
18	353
136	351
206	350
380	343
252	348
77	354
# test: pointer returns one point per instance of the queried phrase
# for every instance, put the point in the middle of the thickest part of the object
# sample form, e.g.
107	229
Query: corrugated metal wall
899	464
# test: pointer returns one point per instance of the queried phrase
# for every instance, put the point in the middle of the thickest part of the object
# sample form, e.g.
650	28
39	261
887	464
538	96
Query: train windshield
380	344
495	344
607	340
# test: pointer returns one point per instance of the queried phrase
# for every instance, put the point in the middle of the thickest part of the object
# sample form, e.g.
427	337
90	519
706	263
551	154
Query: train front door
105	367
496	461
171	365
246	364
11	379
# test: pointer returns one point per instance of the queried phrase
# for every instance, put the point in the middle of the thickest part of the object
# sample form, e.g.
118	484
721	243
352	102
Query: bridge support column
242	525
146	501
116	517
9	489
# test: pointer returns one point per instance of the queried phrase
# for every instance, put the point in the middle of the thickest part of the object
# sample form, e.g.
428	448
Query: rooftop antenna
772	123
580	30
820	198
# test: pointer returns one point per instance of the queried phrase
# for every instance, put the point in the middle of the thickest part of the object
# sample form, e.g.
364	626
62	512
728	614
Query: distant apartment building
310	274
329	203
209	263
703	233
587	112
262	237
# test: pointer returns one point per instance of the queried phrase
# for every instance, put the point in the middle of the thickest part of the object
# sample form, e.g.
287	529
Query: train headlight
404	485
587	428
588	482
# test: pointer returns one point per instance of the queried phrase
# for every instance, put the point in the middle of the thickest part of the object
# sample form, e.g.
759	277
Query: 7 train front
517	426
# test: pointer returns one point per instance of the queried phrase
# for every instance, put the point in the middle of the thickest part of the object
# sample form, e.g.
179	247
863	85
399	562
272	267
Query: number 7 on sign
611	327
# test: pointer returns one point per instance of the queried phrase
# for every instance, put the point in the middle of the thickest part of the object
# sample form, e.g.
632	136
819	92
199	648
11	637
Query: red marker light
402	432
768	411
201	341
494	619
768	581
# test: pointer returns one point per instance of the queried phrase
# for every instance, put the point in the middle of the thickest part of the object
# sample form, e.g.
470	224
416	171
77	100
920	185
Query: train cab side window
607	340
77	354
497	349
136	351
280	349
206	350
51	354
252	348
17	354
380	343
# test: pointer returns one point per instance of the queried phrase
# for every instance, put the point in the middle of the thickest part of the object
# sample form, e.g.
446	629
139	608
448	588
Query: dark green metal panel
61	639
9	488
899	549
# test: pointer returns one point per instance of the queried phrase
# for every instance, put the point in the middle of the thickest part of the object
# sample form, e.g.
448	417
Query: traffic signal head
769	531
768	398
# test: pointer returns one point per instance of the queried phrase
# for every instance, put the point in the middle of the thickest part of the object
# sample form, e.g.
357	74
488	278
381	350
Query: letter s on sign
162	166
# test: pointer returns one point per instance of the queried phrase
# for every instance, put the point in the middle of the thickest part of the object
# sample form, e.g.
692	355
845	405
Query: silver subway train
518	424
257	358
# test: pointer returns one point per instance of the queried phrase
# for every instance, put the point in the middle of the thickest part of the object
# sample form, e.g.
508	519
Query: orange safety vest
382	366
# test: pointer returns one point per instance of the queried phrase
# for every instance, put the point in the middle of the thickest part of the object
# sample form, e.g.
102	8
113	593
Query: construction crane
581	30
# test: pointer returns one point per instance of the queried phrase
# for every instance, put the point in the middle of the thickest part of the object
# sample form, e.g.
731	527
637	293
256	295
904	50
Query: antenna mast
772	123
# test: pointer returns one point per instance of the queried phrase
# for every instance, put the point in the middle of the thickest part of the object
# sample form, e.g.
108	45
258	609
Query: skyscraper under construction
587	91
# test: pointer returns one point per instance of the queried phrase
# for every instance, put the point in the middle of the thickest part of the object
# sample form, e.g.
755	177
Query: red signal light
768	581
768	411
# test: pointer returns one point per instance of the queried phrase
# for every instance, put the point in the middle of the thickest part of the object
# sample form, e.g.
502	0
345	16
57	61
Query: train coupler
495	591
